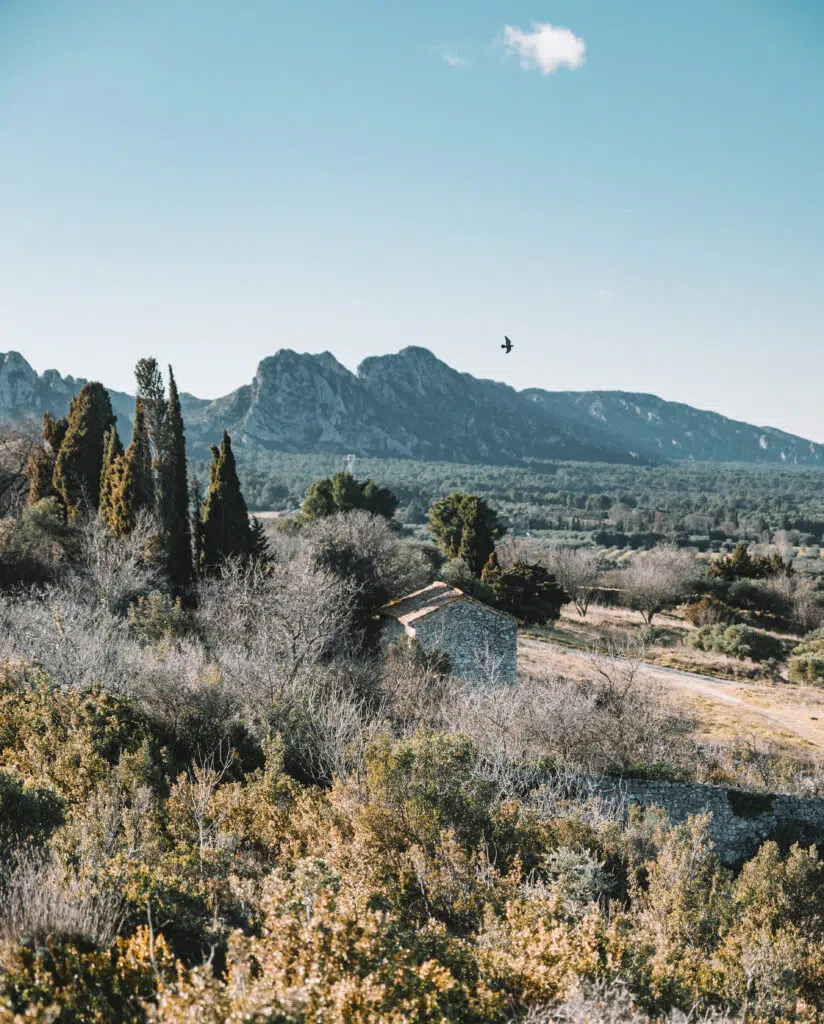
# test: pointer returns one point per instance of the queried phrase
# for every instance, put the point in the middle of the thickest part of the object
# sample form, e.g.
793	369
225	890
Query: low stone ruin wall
741	821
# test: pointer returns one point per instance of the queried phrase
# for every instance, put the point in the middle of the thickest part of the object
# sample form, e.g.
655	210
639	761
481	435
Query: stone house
479	640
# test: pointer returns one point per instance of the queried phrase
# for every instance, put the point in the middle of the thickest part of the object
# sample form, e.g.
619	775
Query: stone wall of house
478	642
741	821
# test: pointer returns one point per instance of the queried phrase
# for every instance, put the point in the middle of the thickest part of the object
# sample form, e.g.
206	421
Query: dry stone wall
741	821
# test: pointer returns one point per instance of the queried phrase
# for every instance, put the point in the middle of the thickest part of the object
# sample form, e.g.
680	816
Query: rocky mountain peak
412	404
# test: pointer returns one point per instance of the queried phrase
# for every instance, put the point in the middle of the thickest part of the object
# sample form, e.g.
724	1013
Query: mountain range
412	405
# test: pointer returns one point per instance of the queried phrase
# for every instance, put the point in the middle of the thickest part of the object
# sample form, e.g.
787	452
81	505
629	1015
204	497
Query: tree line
80	467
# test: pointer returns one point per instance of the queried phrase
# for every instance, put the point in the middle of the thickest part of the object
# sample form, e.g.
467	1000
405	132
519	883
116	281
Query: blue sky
637	201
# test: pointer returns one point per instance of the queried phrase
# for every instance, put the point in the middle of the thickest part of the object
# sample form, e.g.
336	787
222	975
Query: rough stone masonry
741	820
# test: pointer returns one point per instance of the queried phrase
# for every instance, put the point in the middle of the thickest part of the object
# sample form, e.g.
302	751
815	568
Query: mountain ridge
410	404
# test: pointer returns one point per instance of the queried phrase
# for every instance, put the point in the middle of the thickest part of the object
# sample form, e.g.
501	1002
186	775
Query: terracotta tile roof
437	595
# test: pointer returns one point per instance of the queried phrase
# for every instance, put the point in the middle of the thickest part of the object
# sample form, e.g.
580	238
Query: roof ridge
456	594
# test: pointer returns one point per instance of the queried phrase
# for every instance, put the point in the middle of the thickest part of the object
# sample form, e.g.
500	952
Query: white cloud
456	55
545	47
603	294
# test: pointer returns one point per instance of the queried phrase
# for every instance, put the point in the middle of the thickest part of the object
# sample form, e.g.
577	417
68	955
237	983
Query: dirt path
792	716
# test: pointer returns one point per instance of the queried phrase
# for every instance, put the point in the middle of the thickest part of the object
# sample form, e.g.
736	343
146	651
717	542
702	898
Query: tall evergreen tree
79	462
175	493
140	458
152	394
40	465
477	542
112	467
258	543
196	520
133	481
226	529
464	526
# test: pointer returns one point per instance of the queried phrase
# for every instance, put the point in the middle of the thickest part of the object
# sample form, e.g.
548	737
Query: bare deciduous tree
116	570
657	579
799	592
265	626
17	441
578	570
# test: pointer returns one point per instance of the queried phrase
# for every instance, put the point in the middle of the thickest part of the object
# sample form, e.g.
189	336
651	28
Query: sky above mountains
633	192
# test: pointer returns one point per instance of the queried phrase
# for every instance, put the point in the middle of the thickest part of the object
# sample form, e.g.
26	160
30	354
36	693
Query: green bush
807	669
529	592
738	642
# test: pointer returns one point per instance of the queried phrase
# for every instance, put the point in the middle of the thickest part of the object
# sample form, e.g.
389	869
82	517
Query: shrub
156	618
757	596
708	611
738	642
529	592
807	663
807	669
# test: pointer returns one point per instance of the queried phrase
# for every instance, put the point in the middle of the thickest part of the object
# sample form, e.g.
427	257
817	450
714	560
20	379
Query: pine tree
380	501
175	494
319	501
112	467
465	527
79	462
346	492
342	493
529	592
477	543
258	542
226	530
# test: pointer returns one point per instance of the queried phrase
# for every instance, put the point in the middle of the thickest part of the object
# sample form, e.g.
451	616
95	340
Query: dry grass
788	718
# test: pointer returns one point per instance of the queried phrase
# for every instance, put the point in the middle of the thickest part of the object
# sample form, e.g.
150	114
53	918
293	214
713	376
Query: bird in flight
507	345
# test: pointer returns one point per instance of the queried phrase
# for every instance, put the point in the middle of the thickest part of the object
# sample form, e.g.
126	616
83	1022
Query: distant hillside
413	405
674	431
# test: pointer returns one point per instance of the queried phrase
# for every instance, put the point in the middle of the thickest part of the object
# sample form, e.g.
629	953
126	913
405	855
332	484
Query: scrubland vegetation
222	799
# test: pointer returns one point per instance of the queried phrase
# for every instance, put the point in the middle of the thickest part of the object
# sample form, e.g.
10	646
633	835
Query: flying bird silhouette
507	345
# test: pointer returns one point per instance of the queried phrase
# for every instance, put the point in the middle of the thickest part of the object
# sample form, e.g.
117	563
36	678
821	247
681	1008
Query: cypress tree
40	464
175	493
196	520
151	393
79	462
133	489
139	455
226	530
112	467
490	567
